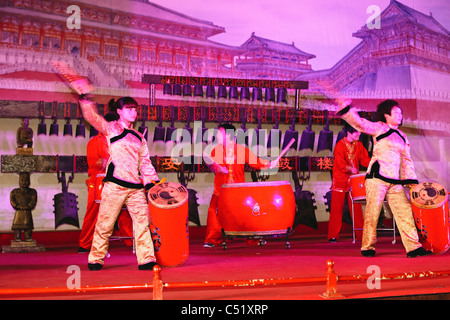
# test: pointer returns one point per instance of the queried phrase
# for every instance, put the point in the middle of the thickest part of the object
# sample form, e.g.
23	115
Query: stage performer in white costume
129	172
389	170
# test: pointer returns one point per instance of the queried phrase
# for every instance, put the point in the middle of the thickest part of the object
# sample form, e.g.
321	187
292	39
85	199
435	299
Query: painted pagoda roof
272	45
396	11
151	10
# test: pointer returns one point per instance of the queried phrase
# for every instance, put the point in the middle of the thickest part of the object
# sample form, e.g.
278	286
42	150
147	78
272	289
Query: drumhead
168	195
256	184
428	195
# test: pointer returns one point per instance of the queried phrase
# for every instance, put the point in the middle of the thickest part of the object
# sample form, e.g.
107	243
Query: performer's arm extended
352	117
90	113
254	161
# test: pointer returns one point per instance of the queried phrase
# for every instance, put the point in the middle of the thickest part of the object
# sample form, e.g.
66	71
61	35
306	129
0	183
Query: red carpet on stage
297	273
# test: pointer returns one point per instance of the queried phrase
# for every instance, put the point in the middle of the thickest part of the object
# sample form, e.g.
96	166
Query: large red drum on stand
429	202
256	208
169	222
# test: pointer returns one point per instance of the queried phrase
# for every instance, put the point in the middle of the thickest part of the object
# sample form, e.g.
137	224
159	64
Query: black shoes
332	240
82	250
98	266
419	252
95	266
368	253
147	266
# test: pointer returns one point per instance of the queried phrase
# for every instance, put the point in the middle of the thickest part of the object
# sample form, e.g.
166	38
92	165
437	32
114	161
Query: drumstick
161	181
66	71
285	149
78	83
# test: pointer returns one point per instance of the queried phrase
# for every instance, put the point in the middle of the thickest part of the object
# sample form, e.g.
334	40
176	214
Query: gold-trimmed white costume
389	170
129	162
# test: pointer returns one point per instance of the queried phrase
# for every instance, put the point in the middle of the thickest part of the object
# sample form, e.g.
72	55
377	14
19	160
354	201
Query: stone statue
24	137
23	200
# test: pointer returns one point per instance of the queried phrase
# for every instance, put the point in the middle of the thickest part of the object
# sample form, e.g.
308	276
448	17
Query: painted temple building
269	59
115	45
407	58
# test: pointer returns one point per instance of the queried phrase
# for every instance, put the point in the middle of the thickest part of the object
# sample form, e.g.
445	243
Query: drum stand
362	200
115	238
260	237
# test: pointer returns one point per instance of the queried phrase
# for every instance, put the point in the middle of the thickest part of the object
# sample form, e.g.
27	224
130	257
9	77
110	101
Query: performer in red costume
227	160
349	153
390	168
97	158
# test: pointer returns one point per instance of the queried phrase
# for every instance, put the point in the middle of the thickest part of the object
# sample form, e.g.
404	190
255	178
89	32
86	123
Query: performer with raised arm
389	170
349	153
227	160
129	162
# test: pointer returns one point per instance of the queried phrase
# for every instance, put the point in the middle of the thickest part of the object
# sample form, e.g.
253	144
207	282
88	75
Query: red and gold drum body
98	187
256	208
169	223
429	202
357	188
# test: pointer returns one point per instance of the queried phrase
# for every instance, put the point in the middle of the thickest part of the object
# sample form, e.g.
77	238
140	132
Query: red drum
99	187
429	202
256	208
169	223
357	188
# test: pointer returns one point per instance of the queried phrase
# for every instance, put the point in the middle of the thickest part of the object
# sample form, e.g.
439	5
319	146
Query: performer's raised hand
343	102
81	86
273	164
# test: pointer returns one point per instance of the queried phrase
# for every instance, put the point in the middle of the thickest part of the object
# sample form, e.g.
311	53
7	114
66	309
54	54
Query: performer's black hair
385	107
227	126
347	127
120	103
111	116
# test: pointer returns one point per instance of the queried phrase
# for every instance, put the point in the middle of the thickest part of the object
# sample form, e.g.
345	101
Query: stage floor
307	258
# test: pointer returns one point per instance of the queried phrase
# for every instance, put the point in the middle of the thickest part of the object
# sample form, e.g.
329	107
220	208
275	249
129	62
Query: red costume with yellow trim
233	157
347	155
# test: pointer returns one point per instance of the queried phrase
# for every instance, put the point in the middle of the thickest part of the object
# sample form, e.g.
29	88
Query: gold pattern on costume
230	159
376	191
136	202
350	151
